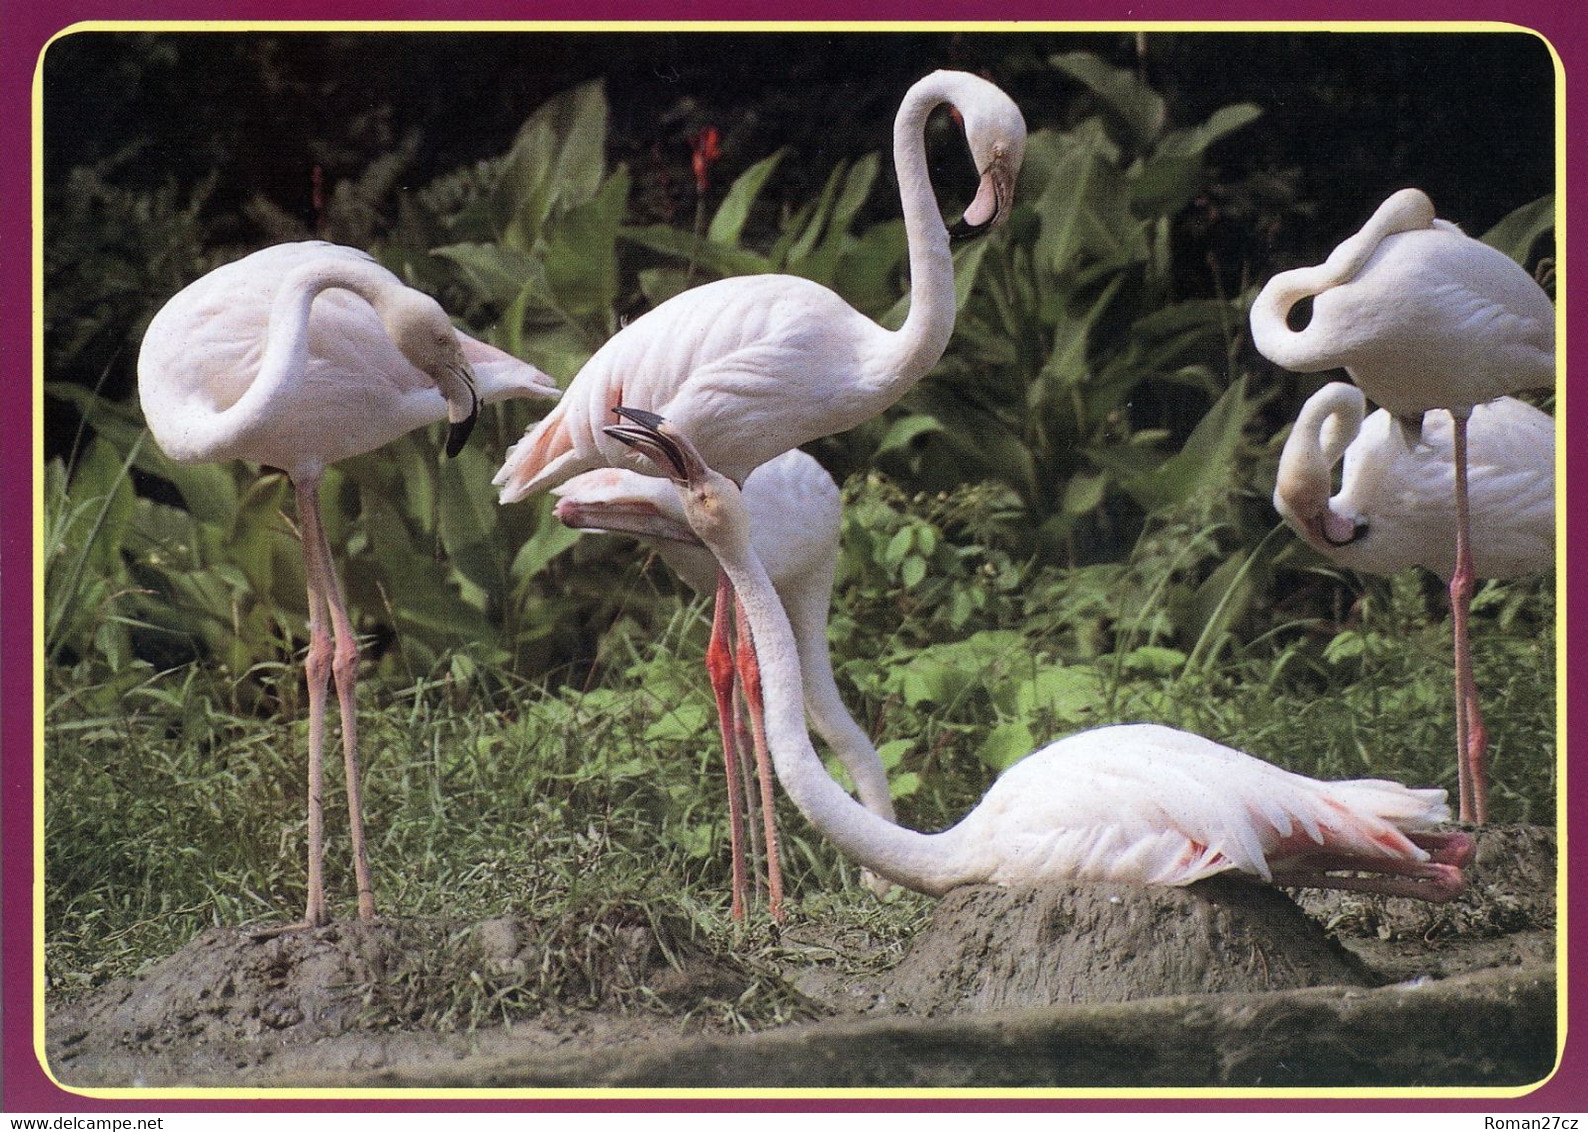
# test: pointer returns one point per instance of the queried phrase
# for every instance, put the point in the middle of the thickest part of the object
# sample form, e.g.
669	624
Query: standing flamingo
298	356
797	513
1135	804
756	365
1396	505
1422	317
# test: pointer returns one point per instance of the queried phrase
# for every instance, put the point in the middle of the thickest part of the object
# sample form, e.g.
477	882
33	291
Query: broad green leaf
1207	458
1006	744
550	539
581	264
1519	231
728	224
1137	105
675	242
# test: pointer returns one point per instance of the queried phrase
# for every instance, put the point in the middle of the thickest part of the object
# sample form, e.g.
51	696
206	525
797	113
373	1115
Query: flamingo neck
920	342
923	862
287	336
807	603
1316	347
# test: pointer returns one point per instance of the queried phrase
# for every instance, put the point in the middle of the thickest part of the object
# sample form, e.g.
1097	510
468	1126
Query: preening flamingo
755	365
1422	317
298	356
796	512
1137	804
1396	505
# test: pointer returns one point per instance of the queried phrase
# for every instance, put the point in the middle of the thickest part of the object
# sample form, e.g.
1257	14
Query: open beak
994	196
645	435
623	517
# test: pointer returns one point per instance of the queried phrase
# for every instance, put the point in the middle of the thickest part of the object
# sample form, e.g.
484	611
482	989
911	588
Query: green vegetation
1066	525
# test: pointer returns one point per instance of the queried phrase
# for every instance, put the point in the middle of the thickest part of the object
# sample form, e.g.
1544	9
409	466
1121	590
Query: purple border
29	27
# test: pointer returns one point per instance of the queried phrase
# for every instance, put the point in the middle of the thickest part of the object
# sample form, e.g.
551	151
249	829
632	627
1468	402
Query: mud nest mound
230	989
992	948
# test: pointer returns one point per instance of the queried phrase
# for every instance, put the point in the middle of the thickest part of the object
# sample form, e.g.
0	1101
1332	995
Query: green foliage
1067	524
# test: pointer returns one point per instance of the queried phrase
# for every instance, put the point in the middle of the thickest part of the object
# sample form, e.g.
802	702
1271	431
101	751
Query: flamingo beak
991	206
462	422
645	435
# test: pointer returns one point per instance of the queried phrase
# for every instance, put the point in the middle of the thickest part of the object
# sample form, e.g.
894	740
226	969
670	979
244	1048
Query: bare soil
1222	983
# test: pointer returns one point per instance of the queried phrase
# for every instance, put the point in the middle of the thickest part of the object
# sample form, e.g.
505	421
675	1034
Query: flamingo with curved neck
298	356
1396	508
797	514
1137	804
755	365
1422	317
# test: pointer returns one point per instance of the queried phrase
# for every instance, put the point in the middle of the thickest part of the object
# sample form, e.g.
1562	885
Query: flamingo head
712	502
995	130
1328	422
423	333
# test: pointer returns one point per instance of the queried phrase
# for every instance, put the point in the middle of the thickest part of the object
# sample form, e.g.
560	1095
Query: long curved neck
915	860
919	343
808	605
1311	348
286	353
1324	428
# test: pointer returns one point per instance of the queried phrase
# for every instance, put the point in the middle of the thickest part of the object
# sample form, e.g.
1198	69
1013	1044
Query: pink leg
750	678
317	671
344	668
720	667
1446	848
1433	881
1471	738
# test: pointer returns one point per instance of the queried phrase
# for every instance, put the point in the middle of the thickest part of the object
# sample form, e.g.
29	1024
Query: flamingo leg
750	678
317	672
743	745
1471	737
1432	880
721	668
344	670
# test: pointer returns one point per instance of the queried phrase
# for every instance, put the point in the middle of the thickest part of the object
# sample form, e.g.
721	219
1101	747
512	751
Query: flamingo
1396	504
1422	317
756	365
797	513
1132	803
298	356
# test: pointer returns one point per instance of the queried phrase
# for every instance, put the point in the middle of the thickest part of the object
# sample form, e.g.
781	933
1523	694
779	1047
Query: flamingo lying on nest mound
1135	804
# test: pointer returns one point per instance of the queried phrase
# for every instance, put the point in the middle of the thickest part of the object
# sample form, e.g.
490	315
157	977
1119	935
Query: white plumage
756	365
1422	317
1137	804
797	513
1396	505
298	356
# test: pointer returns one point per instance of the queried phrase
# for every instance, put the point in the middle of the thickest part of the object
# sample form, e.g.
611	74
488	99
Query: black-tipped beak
645	436
991	206
458	432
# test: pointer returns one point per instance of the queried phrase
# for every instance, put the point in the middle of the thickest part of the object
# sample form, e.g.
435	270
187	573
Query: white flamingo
298	356
1422	317
1396	505
1136	804
797	514
755	365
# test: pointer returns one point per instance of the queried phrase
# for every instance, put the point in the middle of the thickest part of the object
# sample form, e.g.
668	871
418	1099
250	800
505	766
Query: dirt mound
230	1002
992	948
